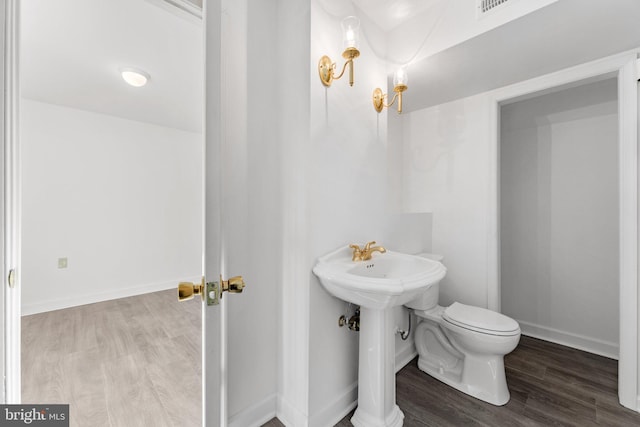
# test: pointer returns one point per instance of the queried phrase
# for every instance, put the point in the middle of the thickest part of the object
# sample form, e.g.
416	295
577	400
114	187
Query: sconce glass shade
400	79
350	38
350	33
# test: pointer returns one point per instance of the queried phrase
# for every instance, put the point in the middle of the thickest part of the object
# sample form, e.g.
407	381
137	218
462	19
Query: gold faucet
364	254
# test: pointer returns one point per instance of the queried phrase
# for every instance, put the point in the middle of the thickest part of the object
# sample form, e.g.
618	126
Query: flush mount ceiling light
135	77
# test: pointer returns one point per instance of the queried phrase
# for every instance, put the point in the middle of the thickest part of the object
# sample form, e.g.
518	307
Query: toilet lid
480	320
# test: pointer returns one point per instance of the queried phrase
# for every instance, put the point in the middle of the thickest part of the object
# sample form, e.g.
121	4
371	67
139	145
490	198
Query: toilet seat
480	320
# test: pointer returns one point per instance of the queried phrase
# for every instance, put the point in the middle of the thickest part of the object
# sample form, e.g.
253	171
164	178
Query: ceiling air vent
485	6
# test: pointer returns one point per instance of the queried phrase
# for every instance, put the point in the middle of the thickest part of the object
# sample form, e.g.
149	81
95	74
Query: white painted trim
581	342
336	410
406	355
293	38
58	304
255	415
628	164
214	393
638	69
493	217
624	65
289	415
3	25
331	414
12	203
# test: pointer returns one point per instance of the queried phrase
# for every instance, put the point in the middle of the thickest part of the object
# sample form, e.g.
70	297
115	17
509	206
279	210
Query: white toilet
464	346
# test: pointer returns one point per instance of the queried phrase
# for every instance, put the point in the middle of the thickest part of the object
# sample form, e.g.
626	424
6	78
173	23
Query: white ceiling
388	14
560	35
72	50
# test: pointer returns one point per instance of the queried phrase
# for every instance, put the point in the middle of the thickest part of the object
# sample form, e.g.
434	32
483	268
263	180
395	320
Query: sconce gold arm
378	98
326	67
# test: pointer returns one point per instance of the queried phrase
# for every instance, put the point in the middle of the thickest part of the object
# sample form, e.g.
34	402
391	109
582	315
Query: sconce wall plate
378	98
326	67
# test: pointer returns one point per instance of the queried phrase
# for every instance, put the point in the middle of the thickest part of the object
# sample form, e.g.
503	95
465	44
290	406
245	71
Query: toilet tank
429	298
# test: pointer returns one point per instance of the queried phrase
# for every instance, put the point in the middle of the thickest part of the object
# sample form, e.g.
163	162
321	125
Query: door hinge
11	279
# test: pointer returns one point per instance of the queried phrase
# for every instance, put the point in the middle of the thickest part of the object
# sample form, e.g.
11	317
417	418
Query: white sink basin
386	280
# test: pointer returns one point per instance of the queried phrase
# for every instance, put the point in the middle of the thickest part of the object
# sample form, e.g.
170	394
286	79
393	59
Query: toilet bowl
464	346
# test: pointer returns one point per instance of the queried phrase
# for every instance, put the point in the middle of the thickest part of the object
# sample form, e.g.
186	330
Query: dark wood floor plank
550	385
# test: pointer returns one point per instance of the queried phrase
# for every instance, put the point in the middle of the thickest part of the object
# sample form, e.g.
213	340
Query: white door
218	246
224	184
215	191
9	199
214	413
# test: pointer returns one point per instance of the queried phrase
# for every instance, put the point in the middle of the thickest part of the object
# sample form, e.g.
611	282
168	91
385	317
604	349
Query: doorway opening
559	216
107	171
623	68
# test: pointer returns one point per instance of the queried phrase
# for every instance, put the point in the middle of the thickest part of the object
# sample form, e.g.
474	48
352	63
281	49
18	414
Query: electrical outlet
62	262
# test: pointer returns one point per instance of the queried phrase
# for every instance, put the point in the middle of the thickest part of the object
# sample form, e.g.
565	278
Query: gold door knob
211	292
187	290
234	285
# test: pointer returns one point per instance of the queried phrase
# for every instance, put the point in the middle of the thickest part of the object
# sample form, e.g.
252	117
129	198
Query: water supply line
353	322
405	334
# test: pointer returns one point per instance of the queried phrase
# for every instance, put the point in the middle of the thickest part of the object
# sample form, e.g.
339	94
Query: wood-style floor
122	363
551	385
136	362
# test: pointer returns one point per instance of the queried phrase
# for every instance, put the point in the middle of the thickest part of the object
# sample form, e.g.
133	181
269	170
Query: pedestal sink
385	281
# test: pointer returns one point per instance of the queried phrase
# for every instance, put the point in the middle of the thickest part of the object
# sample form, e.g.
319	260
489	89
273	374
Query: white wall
293	41
559	216
448	23
120	199
445	170
251	209
348	195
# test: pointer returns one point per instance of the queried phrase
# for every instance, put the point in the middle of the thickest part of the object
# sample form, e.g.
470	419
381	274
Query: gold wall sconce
400	80
350	38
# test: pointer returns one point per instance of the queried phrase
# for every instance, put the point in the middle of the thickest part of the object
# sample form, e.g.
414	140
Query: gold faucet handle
357	252
368	245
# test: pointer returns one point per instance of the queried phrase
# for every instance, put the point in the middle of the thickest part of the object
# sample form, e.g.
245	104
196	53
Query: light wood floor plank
122	363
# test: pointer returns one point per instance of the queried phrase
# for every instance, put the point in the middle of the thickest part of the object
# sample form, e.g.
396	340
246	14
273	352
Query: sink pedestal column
376	371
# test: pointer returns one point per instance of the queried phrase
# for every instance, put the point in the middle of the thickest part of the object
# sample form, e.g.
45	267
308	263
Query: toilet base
500	396
476	375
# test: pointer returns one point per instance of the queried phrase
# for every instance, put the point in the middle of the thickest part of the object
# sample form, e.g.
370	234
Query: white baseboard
75	300
289	415
581	342
336	410
406	354
256	415
348	399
